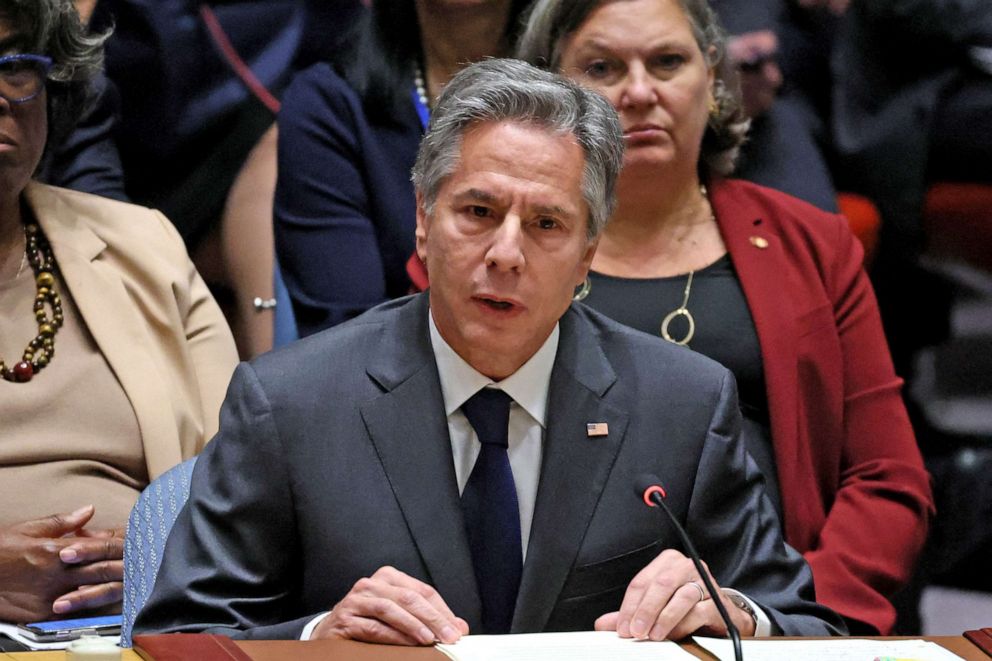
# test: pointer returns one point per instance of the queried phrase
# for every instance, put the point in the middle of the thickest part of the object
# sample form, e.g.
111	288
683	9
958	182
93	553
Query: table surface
328	650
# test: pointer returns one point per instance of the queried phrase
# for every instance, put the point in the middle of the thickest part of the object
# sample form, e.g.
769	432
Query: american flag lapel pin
594	429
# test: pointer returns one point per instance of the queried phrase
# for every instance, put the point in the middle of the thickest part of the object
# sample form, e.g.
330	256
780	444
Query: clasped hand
55	565
661	603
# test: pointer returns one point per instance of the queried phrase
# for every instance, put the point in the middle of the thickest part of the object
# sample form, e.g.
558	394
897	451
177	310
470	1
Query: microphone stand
735	636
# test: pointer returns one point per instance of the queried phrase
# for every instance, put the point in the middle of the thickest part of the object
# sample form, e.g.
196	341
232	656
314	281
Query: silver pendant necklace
680	311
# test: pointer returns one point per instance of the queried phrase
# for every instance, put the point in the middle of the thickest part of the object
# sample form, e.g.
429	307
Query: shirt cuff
312	624
763	625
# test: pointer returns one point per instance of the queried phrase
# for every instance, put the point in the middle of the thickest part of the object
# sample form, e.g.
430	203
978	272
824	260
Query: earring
583	290
714	109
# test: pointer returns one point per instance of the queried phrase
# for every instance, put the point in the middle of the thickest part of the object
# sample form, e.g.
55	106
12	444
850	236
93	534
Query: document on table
835	649
577	646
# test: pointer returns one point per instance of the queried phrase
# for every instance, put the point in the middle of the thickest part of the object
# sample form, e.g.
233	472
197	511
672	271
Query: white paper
577	646
835	649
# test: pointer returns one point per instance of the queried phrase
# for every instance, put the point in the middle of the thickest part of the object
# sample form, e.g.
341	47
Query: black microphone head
646	485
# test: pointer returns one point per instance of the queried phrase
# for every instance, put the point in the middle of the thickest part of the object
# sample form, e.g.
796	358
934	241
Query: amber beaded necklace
41	350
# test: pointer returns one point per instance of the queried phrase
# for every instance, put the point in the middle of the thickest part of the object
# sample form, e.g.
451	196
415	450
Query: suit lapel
574	470
110	315
762	272
410	434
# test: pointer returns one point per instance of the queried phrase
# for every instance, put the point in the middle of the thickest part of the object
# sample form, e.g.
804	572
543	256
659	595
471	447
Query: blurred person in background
348	137
781	51
143	354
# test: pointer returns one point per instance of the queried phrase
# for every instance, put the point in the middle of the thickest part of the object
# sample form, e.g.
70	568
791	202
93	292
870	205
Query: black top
724	332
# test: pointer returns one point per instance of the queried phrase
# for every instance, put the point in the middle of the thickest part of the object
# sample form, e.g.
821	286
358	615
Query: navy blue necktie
492	518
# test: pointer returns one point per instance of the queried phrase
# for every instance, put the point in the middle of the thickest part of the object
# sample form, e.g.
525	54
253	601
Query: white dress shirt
528	388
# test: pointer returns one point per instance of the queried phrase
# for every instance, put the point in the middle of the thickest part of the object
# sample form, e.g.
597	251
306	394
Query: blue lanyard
422	111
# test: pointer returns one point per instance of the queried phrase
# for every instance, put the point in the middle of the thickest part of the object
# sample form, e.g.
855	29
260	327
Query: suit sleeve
877	524
209	343
325	234
735	528
237	529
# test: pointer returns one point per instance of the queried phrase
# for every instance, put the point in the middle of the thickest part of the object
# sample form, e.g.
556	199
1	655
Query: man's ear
586	262
423	225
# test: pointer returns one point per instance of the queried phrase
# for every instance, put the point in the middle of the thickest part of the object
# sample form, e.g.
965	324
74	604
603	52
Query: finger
650	590
104	571
462	626
106	532
92	550
607	622
680	608
88	597
431	622
704	618
426	603
367	630
654	599
57	525
388	612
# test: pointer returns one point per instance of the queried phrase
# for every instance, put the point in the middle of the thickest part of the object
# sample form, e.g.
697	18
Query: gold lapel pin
759	242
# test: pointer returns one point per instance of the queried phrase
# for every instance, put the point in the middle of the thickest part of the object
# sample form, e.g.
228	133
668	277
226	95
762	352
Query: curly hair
53	28
551	22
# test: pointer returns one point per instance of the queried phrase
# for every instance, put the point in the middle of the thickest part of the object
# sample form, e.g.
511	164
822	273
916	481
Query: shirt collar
528	386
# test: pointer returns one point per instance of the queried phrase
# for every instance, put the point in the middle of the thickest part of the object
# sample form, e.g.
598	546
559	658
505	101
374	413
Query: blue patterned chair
148	527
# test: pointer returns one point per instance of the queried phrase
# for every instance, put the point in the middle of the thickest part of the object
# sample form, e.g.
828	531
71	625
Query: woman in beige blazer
114	358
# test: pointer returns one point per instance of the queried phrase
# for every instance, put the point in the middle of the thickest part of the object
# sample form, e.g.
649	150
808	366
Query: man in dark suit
359	471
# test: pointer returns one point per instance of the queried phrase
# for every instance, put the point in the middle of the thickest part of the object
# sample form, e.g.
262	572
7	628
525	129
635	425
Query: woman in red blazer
767	284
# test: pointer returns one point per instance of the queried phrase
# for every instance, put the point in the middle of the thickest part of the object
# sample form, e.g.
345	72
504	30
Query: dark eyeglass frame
45	65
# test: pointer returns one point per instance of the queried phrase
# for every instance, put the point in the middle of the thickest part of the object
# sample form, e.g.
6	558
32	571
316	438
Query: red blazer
855	494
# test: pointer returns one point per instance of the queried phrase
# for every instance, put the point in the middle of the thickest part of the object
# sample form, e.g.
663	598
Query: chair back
148	528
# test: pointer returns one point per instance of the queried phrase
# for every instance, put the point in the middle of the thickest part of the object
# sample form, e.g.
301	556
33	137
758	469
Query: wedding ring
702	593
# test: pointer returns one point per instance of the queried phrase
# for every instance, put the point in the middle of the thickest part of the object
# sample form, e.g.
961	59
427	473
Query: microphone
648	487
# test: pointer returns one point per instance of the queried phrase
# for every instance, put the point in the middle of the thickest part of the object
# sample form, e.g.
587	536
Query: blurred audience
765	283
199	85
144	355
912	104
348	137
781	52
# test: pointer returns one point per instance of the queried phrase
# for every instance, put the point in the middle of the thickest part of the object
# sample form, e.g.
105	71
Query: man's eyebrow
553	210
489	198
478	195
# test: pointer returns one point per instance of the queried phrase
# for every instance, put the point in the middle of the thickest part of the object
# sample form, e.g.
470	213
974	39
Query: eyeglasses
22	76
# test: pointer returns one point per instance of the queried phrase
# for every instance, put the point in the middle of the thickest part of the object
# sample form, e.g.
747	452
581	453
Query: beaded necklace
420	100
41	350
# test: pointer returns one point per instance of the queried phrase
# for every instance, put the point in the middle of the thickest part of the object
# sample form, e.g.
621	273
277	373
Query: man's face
507	244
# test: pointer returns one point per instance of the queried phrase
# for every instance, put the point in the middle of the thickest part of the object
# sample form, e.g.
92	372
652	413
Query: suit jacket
149	312
333	459
847	461
344	205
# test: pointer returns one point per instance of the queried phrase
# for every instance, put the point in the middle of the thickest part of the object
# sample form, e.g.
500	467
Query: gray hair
498	90
53	28
552	22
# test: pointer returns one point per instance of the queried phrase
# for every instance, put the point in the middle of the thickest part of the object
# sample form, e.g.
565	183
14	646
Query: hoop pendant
680	312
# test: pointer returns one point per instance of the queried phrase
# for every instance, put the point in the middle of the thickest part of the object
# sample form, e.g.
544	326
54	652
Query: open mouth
496	304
